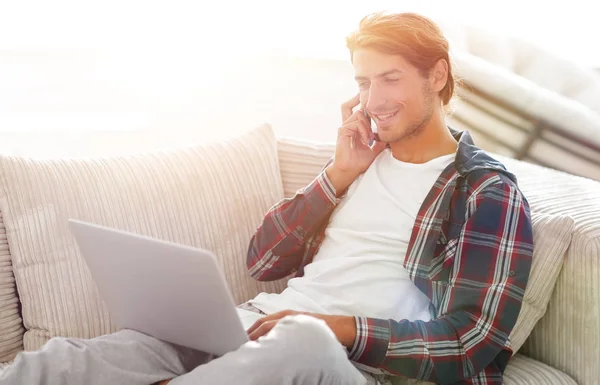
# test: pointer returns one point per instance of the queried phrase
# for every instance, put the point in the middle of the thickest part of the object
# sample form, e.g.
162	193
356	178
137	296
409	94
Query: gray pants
299	350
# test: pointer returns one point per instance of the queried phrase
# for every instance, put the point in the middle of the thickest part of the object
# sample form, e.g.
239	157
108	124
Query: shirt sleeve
279	244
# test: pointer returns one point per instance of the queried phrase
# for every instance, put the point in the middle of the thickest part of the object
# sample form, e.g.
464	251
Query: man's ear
439	75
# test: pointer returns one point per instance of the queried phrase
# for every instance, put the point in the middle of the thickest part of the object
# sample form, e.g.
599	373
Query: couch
214	196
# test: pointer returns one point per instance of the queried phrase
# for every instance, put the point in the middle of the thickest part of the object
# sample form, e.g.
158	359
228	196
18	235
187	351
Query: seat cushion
522	370
212	196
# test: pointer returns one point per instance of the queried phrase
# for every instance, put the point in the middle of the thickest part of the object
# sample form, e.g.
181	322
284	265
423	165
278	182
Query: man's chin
399	134
385	137
390	136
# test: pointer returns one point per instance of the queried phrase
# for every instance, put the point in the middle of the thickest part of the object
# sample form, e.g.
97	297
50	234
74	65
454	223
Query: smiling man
420	241
411	252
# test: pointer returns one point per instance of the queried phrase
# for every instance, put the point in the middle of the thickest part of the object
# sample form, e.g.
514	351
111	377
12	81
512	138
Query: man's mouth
383	119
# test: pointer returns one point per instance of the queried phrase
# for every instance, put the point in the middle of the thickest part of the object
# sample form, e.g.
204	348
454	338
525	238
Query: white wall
159	73
69	104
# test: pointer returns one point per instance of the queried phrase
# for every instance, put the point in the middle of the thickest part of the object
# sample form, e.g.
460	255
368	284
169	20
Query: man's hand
353	155
344	327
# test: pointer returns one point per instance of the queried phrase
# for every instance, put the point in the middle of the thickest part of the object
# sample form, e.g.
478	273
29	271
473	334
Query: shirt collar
470	158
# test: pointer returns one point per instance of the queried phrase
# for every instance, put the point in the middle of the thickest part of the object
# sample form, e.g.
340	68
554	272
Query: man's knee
303	330
58	343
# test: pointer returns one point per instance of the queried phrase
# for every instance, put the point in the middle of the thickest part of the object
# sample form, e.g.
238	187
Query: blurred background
83	78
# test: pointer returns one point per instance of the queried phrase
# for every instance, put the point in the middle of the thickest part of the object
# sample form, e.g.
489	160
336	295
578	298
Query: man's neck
433	140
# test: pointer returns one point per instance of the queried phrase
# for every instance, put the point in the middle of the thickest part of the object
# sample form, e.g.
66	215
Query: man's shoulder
485	181
481	169
484	177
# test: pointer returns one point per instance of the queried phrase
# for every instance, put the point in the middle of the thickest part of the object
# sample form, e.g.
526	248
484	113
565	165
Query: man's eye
391	80
363	85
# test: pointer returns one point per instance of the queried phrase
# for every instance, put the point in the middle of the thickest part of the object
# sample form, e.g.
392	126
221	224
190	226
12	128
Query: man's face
394	93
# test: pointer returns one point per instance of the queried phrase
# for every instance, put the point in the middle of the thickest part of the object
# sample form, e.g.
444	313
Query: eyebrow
381	75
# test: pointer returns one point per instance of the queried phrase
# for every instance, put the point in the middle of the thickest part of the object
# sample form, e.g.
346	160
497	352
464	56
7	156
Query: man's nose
375	99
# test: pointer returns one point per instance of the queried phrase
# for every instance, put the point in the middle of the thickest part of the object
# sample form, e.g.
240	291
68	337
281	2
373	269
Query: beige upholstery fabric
212	196
568	335
551	237
522	370
300	162
11	325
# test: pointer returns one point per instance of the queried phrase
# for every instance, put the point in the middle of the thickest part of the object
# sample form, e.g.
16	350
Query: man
411	252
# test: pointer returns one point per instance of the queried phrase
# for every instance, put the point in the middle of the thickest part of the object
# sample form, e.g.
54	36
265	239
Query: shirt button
511	273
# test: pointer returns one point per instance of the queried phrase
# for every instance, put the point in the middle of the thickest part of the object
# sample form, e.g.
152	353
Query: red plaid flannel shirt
470	253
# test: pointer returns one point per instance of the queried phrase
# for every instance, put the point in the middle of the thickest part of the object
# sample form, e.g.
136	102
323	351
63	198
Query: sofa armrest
568	335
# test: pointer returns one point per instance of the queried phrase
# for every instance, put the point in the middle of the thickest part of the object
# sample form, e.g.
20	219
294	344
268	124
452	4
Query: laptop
172	292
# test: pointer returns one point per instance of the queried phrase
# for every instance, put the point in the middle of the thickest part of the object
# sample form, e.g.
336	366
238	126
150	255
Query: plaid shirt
470	253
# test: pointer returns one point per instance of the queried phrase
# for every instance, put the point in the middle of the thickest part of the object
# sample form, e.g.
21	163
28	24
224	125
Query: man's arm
278	246
491	264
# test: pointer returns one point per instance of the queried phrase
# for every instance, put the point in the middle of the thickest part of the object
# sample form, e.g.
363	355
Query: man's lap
302	342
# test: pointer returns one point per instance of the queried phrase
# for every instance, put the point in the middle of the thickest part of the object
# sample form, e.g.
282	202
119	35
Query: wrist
346	330
340	180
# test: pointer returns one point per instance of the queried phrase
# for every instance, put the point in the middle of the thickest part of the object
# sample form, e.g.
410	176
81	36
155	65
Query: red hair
416	38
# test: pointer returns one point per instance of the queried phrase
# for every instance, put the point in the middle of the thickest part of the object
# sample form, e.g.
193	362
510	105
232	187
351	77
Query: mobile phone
371	125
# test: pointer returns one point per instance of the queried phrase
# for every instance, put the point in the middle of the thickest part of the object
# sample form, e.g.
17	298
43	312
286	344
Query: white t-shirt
358	270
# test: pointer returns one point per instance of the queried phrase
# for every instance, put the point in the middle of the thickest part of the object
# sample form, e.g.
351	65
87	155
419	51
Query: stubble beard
416	128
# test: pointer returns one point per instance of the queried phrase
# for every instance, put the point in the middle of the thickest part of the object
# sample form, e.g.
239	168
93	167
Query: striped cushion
211	196
300	162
